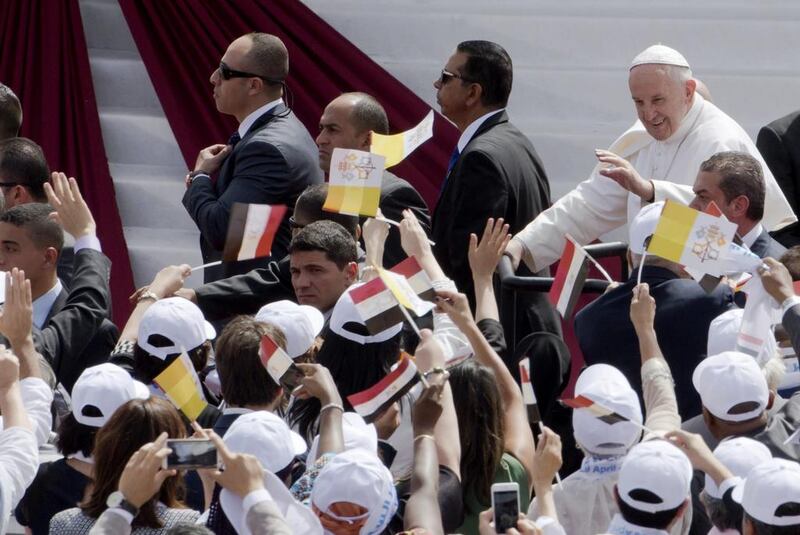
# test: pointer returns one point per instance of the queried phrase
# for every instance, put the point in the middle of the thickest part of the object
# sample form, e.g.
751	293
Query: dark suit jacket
396	196
498	174
779	144
683	313
272	164
766	246
77	333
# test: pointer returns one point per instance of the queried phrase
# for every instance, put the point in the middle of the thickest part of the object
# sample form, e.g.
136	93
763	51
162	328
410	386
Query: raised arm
518	438
318	383
660	404
422	509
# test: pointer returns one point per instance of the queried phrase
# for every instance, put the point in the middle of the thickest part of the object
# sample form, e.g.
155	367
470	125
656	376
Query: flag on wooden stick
602	413
251	230
373	401
528	395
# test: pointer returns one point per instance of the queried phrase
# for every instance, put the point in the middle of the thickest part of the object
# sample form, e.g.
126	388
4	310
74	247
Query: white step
104	25
152	249
119	79
135	136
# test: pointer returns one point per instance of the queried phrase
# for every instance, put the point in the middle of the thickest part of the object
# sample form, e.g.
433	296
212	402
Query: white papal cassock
599	205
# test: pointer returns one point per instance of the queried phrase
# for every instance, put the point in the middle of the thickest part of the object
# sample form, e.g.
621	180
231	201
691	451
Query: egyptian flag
417	278
528	395
251	229
570	277
376	305
600	412
370	403
181	385
279	364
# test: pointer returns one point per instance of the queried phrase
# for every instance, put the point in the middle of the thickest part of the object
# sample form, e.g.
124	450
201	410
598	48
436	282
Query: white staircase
571	58
143	156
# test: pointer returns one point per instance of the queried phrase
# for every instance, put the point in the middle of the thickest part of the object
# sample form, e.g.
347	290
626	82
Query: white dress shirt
469	132
248	121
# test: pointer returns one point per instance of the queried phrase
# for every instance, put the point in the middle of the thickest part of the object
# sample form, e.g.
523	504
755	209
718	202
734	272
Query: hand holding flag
279	364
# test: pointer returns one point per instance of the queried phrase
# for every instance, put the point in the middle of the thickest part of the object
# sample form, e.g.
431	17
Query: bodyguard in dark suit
734	181
779	144
494	170
270	159
347	123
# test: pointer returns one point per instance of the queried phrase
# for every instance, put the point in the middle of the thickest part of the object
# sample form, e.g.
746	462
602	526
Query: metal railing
512	284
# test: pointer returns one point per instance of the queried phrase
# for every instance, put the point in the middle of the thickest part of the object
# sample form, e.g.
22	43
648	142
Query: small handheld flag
381	302
417	278
279	364
569	279
251	230
397	146
528	395
181	385
602	413
373	401
354	184
693	239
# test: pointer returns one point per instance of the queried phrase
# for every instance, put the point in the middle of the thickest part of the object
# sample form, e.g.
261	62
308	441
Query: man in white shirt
270	159
656	159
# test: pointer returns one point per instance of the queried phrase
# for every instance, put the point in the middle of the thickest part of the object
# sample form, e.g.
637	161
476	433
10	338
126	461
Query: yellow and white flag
397	146
693	239
354	184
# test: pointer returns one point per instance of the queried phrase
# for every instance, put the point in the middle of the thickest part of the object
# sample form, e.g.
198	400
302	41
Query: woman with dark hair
134	424
59	485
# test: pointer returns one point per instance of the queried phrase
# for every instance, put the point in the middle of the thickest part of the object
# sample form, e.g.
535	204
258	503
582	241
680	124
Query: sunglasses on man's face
226	73
446	76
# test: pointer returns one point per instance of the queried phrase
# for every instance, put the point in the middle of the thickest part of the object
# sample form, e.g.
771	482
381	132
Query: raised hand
777	280
71	211
243	473
623	173
143	475
16	317
317	383
643	308
484	256
412	237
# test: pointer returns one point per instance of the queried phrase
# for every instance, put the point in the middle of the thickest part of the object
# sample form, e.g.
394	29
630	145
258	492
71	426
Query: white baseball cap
358	477
179	321
347	323
356	433
265	435
301	519
723	331
643	226
659	54
300	324
655	476
739	455
768	488
606	385
105	387
731	386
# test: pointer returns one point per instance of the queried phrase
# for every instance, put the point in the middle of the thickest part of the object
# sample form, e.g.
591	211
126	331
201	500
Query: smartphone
191	454
505	504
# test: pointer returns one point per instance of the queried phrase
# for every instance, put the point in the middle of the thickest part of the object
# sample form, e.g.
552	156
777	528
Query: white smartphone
505	504
190	454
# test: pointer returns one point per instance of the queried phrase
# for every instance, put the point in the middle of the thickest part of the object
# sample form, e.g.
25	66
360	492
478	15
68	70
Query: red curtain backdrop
45	61
182	41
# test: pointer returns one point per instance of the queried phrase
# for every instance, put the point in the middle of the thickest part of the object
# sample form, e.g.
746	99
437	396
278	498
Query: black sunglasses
226	73
446	76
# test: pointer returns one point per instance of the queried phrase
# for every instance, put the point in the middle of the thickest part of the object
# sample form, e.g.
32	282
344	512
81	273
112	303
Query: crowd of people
686	431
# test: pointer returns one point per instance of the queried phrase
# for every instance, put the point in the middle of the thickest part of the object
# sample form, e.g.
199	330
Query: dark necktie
453	160
234	139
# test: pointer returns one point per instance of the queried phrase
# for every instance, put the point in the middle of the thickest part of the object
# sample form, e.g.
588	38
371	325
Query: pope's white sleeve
664	189
19	461
37	398
598	205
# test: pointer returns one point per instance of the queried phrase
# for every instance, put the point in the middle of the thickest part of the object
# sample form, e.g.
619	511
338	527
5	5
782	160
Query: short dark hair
146	366
791	259
10	113
35	219
268	56
721	515
741	175
329	237
368	114
762	528
23	161
74	437
185	528
659	520
489	65
244	378
310	203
